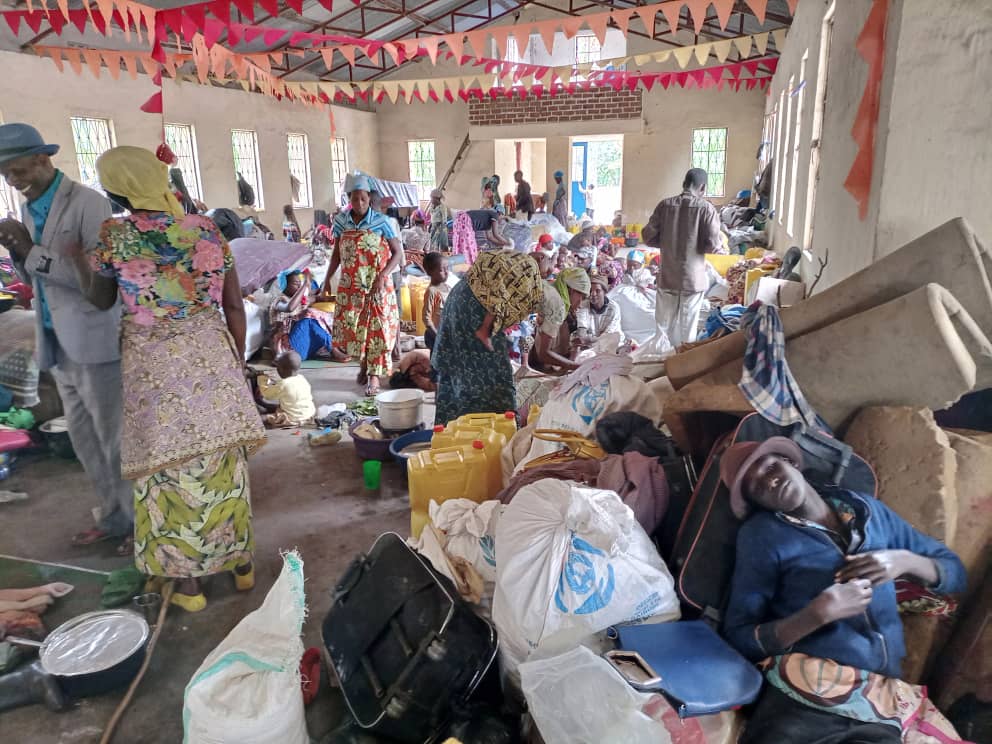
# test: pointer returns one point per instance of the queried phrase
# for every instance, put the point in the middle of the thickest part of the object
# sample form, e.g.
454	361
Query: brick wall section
585	105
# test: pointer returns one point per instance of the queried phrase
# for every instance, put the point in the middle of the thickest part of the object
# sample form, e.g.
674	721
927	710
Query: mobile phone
633	668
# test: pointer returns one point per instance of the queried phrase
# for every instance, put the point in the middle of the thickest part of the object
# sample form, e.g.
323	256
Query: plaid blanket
767	382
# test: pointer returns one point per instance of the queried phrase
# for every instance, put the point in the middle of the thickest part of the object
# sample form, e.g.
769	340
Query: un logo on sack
488	547
581	579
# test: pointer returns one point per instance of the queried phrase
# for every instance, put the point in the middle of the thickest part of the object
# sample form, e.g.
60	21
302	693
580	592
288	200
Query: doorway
596	173
527	155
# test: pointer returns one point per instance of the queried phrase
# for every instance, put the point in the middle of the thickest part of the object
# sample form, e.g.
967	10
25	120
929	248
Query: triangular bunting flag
153	105
648	81
477	40
113	62
758	7
131	63
63	7
771	64
34	21
665	79
570	26
189	28
13	19
721	49
273	36
456	43
622	19
499	34
430	45
393	52
671	11
750	83
761	42
680	78
106	8
792	7
72	57
252	33
702	52
778	35
212	29
247	8
715	72
296	5
699	76
697	11
521	34
735	69
547	31
751	66
647	15
723	10
55	54
683	55
221	10
78	18
597	24
197	14
661	57
642	59
743	44
269	6
234	33
348	52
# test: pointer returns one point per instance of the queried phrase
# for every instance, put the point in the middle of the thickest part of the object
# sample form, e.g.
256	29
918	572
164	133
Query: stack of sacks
941	483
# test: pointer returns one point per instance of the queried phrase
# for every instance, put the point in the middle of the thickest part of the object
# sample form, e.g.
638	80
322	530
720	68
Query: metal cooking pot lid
93	642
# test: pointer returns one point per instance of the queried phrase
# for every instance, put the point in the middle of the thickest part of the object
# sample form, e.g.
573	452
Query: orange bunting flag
499	34
697	11
758	7
56	56
597	24
547	31
456	43
477	40
72	57
521	34
723	10
430	45
348	52
131	63
647	15
672	11
570	26
622	19
113	62
93	61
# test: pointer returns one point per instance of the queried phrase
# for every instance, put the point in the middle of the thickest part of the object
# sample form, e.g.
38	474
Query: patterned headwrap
136	174
573	278
360	182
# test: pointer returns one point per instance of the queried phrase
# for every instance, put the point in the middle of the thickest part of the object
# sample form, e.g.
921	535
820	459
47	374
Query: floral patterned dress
365	324
189	419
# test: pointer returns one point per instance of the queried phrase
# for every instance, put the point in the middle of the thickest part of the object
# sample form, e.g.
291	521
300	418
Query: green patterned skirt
194	520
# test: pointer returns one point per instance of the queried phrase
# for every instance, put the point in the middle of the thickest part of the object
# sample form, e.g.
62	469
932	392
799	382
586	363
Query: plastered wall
52	98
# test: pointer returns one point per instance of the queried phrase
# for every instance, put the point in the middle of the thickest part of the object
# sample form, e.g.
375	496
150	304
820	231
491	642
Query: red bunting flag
270	6
221	10
246	8
153	105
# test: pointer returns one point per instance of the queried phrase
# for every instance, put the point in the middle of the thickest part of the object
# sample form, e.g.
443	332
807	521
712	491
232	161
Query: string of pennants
254	71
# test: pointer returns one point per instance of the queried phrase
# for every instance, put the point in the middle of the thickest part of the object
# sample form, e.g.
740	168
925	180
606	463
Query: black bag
405	648
703	556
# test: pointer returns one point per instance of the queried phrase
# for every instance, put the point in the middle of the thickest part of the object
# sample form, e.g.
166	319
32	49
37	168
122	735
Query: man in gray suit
77	342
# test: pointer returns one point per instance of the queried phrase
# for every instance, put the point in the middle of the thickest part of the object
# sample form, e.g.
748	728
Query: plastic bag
578	698
247	691
637	308
470	528
572	562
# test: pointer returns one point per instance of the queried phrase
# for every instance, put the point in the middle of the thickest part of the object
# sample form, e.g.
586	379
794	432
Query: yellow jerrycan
458	472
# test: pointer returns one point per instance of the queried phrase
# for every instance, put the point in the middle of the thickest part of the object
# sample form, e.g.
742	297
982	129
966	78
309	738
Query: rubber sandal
244	582
372	390
90	537
190	602
310	674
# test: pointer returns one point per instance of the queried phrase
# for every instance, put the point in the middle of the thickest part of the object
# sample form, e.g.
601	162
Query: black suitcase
405	648
703	556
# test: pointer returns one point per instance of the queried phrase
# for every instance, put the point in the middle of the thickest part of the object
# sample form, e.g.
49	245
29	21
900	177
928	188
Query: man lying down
813	598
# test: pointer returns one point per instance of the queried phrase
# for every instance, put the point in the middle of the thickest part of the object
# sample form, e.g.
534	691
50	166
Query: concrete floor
312	499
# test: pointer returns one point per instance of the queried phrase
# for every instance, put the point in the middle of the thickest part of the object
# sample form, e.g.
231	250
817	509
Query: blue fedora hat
21	140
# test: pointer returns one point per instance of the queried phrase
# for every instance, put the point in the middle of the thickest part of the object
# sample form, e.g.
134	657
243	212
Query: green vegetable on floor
364	406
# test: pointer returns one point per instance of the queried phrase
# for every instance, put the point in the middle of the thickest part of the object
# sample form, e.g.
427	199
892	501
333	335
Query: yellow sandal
244	582
190	602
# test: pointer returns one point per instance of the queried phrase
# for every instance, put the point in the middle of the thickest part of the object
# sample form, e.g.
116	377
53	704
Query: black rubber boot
28	685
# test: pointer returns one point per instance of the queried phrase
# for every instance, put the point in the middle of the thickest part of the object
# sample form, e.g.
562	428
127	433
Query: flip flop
90	537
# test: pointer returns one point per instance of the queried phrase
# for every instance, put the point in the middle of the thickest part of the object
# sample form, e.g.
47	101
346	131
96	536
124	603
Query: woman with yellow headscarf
555	314
189	418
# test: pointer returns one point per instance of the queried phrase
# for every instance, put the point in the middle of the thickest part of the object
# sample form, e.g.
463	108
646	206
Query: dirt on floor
309	498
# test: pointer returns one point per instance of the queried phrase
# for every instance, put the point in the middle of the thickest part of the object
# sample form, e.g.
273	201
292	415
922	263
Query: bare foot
485	339
373	386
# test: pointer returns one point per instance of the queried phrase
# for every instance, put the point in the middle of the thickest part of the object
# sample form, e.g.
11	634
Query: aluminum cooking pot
93	653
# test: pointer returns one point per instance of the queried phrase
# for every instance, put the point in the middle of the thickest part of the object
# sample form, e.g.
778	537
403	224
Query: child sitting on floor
437	269
289	400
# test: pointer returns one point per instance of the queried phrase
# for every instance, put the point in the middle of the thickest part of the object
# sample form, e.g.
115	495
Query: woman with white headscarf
366	317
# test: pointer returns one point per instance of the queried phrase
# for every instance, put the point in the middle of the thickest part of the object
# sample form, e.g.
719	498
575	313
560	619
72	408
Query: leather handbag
697	671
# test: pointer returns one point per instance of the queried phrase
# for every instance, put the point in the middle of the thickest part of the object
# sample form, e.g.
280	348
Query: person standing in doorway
560	206
685	228
588	192
79	344
525	203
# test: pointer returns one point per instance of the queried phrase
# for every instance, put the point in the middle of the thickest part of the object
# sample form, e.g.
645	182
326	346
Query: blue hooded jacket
781	567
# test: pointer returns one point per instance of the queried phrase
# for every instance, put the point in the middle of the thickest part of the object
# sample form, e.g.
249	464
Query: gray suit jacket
87	335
